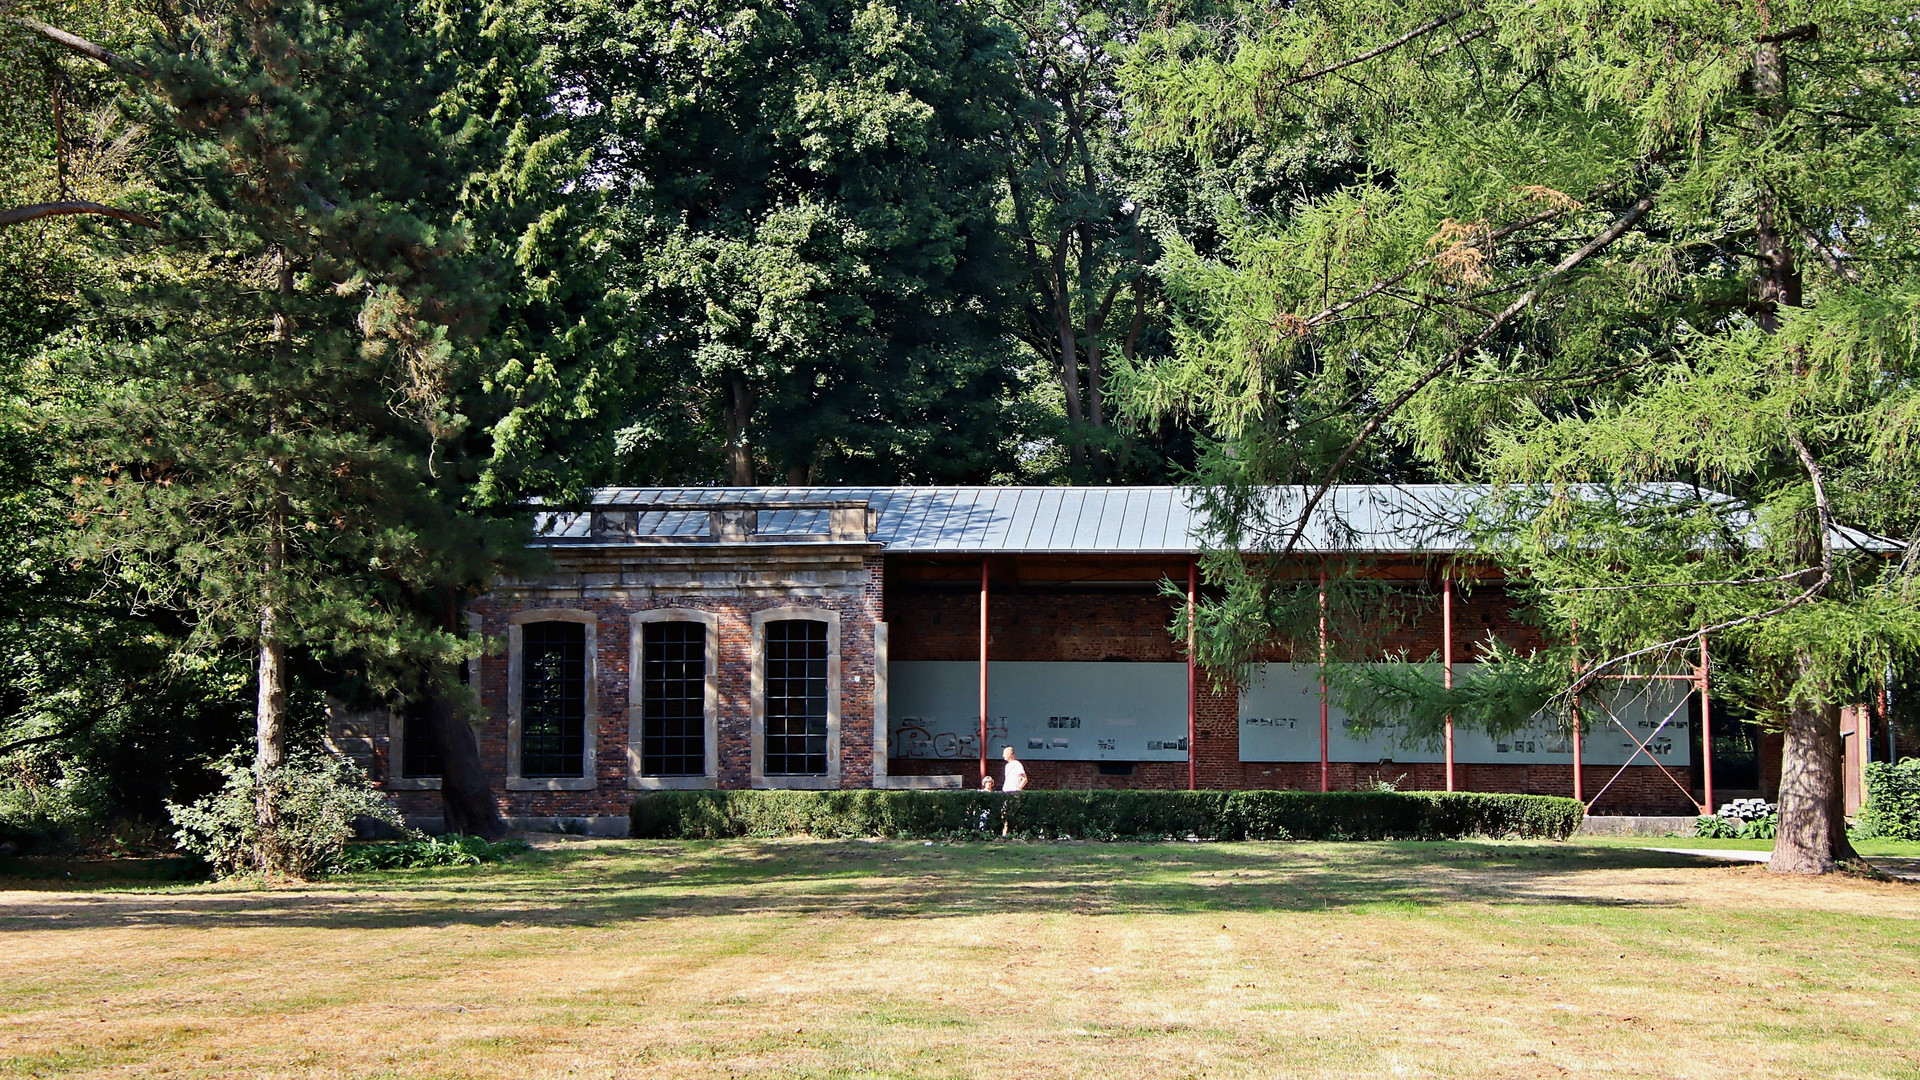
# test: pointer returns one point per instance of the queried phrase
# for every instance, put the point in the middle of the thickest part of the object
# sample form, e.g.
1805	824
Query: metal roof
1373	518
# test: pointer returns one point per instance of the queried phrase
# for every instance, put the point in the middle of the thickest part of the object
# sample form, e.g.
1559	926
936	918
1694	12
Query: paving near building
811	958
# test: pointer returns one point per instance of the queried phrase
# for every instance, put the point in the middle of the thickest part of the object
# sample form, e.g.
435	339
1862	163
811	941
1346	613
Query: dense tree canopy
1594	246
800	204
306	297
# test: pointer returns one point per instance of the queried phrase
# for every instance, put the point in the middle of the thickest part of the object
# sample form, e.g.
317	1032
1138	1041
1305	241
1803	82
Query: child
986	783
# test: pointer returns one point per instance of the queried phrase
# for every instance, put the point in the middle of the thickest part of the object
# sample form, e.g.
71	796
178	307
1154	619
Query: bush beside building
1105	815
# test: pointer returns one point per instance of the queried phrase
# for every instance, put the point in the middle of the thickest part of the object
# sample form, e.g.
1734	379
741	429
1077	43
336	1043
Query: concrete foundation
1626	825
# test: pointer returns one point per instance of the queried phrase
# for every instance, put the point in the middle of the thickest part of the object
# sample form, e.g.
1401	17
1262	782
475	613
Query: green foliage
101	717
1504	693
292	820
1892	809
800	211
1105	815
1715	827
1666	307
424	853
1761	828
266	432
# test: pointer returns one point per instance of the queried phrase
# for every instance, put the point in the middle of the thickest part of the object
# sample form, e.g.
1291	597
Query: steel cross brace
1641	748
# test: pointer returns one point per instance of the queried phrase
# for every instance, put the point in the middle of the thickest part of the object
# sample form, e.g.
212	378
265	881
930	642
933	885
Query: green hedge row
1105	815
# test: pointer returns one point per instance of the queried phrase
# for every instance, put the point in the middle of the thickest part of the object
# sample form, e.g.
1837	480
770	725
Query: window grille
553	699
673	699
419	745
796	698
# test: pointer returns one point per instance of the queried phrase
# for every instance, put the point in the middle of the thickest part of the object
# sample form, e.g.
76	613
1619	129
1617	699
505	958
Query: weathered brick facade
887	609
731	585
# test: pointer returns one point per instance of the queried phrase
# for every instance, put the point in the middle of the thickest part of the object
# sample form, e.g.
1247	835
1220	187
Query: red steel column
1193	698
1706	730
1326	783
983	667
1579	789
1446	655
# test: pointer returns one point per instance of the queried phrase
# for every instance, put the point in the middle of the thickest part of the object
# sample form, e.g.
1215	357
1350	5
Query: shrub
1892	809
311	800
1715	827
424	852
1762	828
1104	815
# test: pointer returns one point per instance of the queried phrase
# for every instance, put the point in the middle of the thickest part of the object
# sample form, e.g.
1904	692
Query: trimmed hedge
1105	815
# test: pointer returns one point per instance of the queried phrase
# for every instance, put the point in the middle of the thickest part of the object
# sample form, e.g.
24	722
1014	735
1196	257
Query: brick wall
1034	622
857	606
1067	624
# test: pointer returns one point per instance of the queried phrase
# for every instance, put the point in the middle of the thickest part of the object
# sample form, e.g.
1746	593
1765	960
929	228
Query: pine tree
1597	242
274	438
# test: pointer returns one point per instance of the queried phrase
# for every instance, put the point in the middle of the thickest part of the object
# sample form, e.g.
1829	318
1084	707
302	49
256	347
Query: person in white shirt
1016	774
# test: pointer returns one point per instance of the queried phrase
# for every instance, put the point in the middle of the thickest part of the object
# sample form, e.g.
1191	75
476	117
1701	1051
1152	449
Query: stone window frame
516	671
636	646
757	695
397	780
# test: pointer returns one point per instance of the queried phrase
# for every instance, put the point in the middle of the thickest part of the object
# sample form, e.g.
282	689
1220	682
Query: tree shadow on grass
609	884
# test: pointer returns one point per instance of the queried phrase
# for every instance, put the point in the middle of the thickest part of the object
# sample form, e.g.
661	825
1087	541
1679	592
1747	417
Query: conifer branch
1416	33
1828	255
34	211
1334	310
81	45
1825	515
1788	576
1599	243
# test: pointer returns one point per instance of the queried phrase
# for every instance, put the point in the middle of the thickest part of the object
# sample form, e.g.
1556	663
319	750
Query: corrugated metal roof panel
1381	519
1376	518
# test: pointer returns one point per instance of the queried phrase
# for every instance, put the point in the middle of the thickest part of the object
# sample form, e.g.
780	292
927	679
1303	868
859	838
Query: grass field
1908	849
807	958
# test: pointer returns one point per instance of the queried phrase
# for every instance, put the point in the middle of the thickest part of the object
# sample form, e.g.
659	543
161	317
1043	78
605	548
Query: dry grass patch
805	958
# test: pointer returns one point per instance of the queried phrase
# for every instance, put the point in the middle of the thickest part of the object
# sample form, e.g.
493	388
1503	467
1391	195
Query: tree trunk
1809	782
739	410
466	799
1779	284
270	704
1096	397
1813	825
1070	379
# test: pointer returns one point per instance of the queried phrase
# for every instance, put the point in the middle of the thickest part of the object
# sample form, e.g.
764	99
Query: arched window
415	762
673	699
796	698
552	700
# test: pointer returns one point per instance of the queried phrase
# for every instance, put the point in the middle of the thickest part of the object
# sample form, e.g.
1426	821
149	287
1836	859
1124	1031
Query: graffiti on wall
1069	711
1280	721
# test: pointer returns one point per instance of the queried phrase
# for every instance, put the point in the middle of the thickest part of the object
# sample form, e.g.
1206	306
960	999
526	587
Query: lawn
1906	849
811	958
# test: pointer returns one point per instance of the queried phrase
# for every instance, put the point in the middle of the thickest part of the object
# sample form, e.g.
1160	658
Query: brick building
848	638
